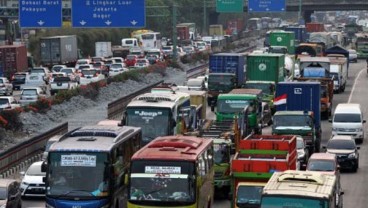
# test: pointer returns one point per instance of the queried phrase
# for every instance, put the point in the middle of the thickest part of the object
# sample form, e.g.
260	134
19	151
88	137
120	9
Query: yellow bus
302	189
172	171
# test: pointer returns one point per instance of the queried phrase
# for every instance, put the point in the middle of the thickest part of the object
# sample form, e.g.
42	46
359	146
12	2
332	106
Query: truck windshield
248	195
292	120
78	174
220	82
162	183
334	75
221	153
154	122
284	201
231	106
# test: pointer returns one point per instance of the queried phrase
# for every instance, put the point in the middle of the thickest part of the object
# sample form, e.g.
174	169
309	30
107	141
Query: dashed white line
355	81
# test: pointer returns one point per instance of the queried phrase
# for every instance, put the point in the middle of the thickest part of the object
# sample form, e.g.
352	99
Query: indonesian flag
280	99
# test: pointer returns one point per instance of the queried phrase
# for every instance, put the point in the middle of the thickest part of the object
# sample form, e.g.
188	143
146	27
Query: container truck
322	38
59	50
315	27
226	72
283	38
13	58
309	49
314	66
338	71
103	49
339	50
263	72
216	30
298	108
186	31
256	159
301	34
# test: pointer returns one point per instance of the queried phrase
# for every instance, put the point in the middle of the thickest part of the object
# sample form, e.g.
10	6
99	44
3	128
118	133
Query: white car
116	69
82	62
142	63
8	103
34	80
71	73
31	95
90	75
32	182
353	56
6	88
57	68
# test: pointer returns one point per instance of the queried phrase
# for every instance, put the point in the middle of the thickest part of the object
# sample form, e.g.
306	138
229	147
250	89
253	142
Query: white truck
103	49
339	71
62	83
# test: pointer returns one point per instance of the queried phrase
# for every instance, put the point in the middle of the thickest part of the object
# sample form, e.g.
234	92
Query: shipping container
266	67
235	26
59	50
216	30
186	31
103	49
228	63
301	96
315	27
13	58
283	38
301	34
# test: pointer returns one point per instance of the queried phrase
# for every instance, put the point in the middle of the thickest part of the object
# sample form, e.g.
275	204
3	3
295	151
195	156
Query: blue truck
226	72
298	112
301	34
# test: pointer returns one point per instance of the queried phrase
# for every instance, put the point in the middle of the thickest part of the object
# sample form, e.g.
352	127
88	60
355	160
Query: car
31	95
101	65
152	59
45	72
142	63
71	73
353	56
82	61
8	103
167	51
32	181
57	68
90	75
303	152
325	162
62	83
57	74
189	50
131	60
116	69
156	52
6	88
117	59
97	59
18	79
136	51
34	80
346	151
85	66
10	196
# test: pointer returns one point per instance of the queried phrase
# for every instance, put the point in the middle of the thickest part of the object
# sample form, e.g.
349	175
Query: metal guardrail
116	108
197	71
28	150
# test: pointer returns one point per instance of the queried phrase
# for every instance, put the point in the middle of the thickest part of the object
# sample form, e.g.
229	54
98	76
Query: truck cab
268	91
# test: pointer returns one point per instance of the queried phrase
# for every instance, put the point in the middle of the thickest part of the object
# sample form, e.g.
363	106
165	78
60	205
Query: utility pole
204	18
175	36
300	10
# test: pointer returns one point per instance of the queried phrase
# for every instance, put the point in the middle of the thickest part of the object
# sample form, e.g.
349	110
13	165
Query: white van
348	120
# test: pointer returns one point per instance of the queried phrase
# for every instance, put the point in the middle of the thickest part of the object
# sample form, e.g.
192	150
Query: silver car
6	88
31	95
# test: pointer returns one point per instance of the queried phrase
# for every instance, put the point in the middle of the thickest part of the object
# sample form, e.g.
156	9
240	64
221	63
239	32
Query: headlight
301	155
359	129
352	155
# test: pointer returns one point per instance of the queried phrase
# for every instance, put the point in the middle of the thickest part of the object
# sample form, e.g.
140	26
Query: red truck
13	58
315	27
256	159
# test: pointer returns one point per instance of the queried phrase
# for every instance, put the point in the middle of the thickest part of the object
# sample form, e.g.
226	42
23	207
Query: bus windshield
162	183
154	122
248	195
231	106
78	174
284	201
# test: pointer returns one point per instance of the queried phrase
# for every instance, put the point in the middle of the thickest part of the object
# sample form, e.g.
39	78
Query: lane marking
355	81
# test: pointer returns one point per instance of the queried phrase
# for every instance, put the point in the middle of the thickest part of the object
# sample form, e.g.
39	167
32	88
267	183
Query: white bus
156	113
151	40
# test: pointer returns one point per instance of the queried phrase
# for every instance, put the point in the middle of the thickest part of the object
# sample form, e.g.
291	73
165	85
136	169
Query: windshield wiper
72	191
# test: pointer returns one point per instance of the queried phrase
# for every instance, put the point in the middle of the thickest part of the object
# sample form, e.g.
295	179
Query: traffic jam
249	131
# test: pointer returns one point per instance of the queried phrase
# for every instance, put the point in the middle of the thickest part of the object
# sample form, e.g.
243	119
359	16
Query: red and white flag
280	99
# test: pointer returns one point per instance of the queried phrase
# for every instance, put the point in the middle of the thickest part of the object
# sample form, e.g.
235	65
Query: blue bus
88	167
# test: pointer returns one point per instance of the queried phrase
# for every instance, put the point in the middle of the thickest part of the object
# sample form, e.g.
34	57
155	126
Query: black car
10	196
346	151
18	79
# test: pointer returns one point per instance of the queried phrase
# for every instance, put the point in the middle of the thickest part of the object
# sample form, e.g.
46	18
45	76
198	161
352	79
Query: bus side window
201	166
210	158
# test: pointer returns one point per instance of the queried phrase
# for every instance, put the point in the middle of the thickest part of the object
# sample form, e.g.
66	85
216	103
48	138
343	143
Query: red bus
172	171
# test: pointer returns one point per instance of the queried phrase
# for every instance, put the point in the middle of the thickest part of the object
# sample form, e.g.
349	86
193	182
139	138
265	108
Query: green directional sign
224	6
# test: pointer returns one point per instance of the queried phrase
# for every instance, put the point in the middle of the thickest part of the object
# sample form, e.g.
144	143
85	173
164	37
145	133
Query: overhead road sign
108	13
40	14
266	6
229	6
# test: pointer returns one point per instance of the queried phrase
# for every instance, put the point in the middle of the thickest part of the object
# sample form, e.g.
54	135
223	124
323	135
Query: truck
59	50
240	102
226	72
338	71
314	66
283	38
301	34
257	158
120	51
309	49
103	49
323	38
13	58
186	31
263	72
339	50
298	109
315	27
216	30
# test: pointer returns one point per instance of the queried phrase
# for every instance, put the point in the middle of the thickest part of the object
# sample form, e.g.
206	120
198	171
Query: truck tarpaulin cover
314	72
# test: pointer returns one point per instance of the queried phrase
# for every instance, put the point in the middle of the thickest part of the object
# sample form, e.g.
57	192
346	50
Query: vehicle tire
11	93
355	168
270	122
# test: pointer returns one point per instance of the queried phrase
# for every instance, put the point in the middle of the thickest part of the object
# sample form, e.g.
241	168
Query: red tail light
82	75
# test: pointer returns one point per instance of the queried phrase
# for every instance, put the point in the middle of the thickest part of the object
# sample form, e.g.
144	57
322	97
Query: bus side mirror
126	179
44	179
43	167
123	119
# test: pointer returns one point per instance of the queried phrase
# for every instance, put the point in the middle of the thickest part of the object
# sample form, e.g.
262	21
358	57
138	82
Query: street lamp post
300	10
204	18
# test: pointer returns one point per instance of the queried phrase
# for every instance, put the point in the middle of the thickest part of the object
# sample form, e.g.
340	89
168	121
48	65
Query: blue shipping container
301	96
228	63
301	34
